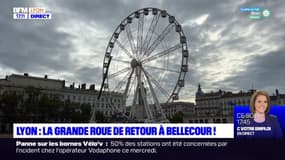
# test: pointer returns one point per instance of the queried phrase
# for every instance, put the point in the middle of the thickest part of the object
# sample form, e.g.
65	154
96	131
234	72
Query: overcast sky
228	51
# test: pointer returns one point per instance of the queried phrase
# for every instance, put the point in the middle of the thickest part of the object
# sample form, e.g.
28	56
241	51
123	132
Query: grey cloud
89	75
264	72
185	9
31	46
108	14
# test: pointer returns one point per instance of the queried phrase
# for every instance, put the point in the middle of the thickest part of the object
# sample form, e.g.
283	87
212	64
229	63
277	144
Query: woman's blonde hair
253	98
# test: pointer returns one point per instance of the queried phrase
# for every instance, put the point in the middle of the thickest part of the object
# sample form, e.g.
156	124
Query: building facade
108	104
170	109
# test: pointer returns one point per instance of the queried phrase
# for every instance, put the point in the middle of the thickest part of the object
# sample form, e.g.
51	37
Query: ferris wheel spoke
121	82
163	69
157	84
145	102
150	31
128	83
132	86
135	95
158	108
124	49
163	91
140	35
151	89
148	99
160	38
119	72
131	39
162	53
119	60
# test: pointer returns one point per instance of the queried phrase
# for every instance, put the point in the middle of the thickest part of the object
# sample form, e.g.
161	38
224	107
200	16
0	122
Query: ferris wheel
146	61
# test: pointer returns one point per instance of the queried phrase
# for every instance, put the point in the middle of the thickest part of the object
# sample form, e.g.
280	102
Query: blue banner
245	127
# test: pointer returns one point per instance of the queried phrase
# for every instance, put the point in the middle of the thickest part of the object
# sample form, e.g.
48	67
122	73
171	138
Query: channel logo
31	13
266	13
255	13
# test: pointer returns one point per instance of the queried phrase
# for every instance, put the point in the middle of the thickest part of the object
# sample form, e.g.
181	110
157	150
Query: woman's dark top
271	125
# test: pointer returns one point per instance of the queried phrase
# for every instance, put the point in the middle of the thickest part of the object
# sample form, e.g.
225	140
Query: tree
85	112
177	117
10	109
9	106
31	104
100	117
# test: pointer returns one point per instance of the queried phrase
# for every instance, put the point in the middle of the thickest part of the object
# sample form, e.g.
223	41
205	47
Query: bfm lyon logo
30	13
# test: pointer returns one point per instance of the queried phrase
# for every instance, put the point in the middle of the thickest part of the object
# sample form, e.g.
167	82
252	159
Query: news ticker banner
122	130
31	13
243	118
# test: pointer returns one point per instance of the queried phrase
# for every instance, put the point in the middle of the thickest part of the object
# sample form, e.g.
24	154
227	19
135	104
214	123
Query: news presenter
260	106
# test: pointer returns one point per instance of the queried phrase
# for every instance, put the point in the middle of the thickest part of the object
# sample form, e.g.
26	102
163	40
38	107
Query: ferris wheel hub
135	63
